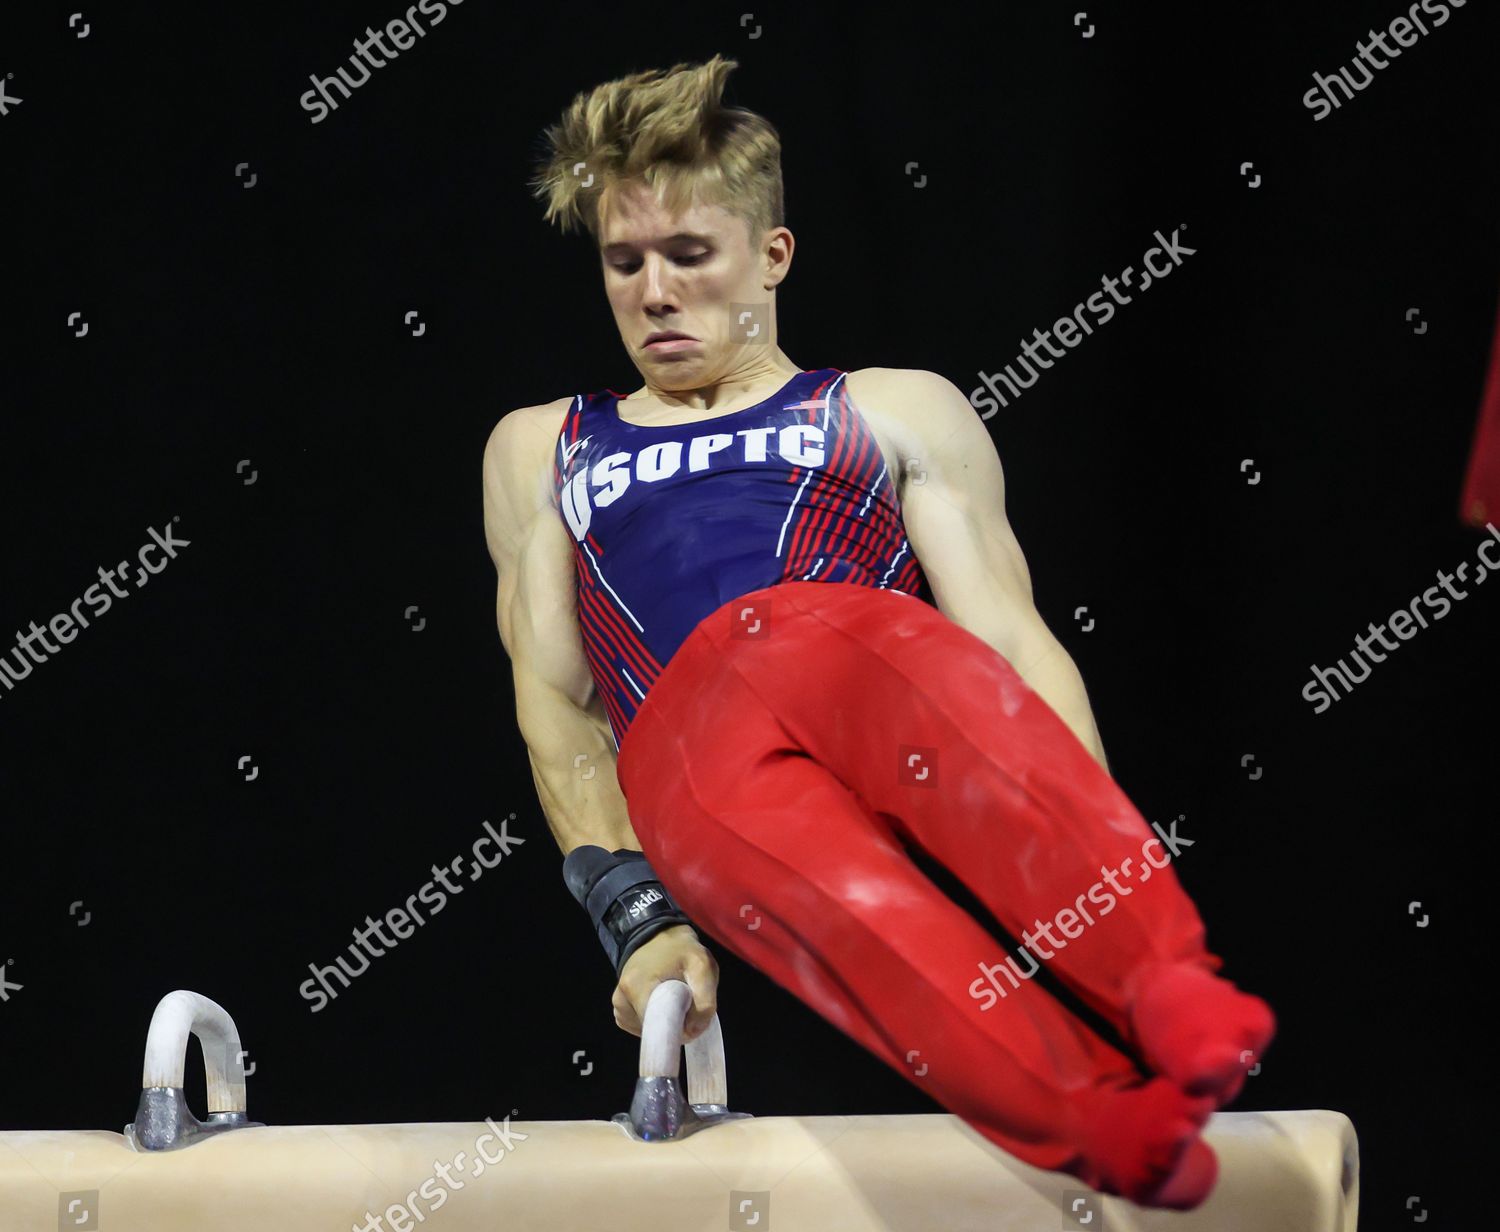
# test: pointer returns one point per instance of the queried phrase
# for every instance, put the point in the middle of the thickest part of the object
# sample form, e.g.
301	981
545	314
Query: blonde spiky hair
671	131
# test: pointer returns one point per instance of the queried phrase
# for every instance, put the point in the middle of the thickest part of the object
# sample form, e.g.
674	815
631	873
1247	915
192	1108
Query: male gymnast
769	627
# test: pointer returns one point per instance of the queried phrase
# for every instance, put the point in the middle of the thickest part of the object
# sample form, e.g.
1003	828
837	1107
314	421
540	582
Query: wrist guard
623	898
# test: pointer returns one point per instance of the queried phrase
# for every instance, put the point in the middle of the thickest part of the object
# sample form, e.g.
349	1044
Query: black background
266	323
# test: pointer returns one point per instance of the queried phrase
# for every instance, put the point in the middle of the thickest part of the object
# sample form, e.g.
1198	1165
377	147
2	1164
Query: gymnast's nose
656	286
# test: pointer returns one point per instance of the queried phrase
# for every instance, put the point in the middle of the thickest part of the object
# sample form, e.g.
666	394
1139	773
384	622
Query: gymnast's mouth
669	339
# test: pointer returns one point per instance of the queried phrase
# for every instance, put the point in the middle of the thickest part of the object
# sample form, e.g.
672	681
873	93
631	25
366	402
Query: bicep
536	599
953	504
510	473
517	506
976	570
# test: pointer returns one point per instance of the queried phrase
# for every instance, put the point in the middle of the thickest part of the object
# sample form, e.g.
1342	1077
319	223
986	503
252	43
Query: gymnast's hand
673	954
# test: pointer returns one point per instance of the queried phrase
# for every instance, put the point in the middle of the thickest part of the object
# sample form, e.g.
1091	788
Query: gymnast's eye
691	258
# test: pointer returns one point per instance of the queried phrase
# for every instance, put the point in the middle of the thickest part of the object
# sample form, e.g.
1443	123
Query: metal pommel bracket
659	1110
162	1119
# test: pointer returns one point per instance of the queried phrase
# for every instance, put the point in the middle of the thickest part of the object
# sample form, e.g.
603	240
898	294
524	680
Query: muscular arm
561	719
953	502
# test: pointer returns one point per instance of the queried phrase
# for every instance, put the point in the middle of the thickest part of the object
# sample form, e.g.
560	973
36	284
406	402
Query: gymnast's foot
1142	1142
1199	1030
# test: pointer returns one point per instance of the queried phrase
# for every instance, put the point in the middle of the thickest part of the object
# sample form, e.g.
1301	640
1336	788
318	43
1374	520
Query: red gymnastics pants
799	736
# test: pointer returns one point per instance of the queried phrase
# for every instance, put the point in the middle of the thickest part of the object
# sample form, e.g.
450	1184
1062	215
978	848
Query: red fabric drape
1481	495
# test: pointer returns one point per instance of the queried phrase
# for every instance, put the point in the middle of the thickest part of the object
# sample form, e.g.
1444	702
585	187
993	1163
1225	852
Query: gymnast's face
692	273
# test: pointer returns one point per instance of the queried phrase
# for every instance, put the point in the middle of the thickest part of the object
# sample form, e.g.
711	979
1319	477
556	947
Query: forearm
573	766
1056	679
1042	662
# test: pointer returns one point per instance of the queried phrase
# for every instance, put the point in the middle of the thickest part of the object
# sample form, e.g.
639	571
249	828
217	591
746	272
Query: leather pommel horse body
678	1160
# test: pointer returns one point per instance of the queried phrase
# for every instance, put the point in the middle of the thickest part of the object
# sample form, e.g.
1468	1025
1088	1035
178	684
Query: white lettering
614	471
755	443
660	461
793	444
702	446
800	444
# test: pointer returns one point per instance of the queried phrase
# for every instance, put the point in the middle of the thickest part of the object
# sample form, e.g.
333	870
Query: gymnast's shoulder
518	454
910	404
525	432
